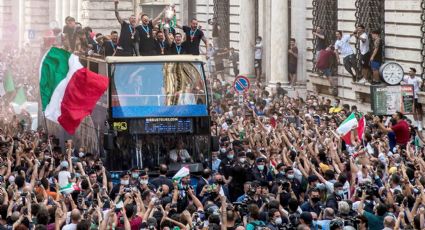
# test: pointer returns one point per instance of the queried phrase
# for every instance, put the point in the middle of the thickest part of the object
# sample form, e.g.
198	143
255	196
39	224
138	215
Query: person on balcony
376	57
417	82
344	49
363	38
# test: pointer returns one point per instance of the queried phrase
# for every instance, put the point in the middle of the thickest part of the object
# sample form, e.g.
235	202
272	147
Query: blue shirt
215	165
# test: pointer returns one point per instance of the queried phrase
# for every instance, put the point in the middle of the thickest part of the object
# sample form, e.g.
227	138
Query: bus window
158	89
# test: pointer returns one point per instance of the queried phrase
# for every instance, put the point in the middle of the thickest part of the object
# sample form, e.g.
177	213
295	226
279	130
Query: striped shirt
343	46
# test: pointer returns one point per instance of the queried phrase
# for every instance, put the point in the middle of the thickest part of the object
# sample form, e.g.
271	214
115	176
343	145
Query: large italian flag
68	91
345	128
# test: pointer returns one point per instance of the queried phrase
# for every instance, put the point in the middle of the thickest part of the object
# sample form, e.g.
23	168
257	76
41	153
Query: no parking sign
241	84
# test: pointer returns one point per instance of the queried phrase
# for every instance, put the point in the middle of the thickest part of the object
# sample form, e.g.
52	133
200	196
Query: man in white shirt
257	56
363	38
179	154
344	49
187	97
416	81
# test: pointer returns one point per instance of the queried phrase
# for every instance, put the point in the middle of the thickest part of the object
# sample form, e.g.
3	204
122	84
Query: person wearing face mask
144	184
239	174
134	176
275	220
260	171
281	171
295	183
124	181
313	204
227	164
337	195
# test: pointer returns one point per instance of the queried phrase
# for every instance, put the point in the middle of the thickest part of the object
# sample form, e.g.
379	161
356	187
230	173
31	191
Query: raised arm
117	14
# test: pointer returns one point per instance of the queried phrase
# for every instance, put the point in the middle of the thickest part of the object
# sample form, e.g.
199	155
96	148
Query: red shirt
323	61
401	131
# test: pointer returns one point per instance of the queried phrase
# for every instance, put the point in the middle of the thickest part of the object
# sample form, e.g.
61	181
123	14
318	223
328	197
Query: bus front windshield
158	89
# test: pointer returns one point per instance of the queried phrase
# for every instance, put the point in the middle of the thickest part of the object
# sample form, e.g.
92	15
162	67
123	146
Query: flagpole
48	137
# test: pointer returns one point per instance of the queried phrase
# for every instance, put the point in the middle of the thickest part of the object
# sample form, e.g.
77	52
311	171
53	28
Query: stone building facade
275	20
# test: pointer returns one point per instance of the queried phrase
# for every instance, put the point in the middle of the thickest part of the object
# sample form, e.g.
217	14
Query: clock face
392	73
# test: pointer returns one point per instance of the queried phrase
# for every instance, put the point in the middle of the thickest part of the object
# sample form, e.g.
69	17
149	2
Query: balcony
348	92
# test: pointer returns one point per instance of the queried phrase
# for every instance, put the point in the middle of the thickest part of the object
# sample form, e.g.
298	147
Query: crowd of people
281	163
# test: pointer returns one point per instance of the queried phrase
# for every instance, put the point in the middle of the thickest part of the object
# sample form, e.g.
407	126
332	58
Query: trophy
168	16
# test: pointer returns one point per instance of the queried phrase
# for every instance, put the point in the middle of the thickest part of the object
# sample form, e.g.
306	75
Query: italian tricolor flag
68	91
345	128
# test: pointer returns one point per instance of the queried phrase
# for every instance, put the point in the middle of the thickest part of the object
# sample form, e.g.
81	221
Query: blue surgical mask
291	176
260	167
134	175
230	156
282	172
340	193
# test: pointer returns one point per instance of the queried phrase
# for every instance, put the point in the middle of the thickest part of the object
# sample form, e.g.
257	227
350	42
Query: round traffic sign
241	84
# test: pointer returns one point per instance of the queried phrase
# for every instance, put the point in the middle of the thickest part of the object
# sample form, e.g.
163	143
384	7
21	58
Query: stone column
266	65
247	37
298	32
279	41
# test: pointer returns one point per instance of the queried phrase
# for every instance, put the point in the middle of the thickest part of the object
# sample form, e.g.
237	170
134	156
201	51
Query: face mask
134	175
257	41
144	182
124	182
260	167
220	182
291	176
275	117
340	193
223	150
81	154
282	172
242	160
314	104
230	156
278	221
315	199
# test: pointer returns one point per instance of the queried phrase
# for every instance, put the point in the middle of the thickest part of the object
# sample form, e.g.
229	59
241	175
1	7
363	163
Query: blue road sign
241	84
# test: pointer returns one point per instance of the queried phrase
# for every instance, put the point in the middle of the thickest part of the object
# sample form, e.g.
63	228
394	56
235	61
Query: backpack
258	224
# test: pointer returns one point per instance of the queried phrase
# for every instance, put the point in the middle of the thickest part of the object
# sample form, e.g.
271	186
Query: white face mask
81	154
278	220
125	182
144	182
242	160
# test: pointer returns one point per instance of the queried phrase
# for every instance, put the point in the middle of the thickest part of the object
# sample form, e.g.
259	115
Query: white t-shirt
416	82
184	155
70	227
343	46
63	178
364	46
258	51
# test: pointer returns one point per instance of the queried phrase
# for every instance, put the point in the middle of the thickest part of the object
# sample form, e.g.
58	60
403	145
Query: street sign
241	84
31	34
240	99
